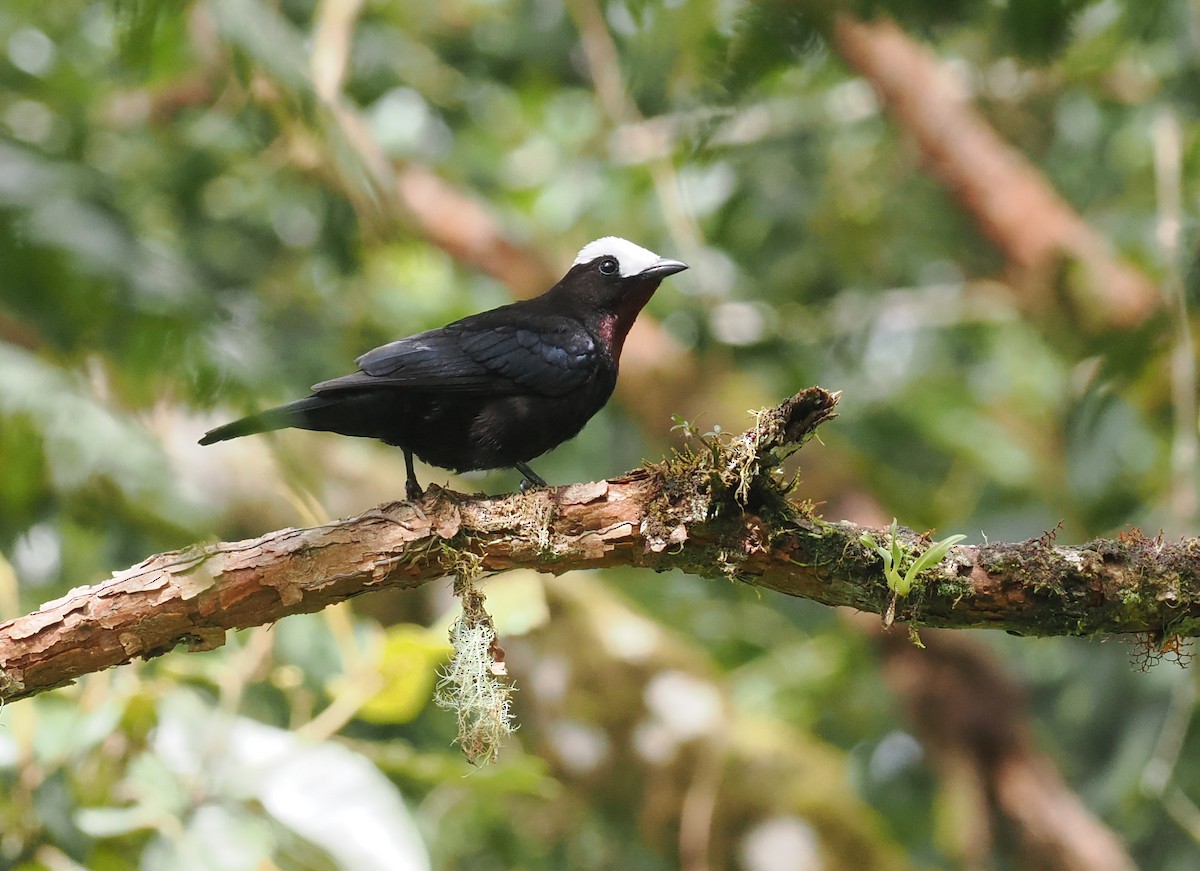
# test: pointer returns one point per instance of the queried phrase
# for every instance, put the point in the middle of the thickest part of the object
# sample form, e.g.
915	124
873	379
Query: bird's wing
547	355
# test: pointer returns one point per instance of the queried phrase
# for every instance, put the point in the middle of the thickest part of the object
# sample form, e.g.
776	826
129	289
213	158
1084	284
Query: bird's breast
465	433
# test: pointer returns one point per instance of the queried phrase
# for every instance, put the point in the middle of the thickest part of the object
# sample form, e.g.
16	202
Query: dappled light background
206	207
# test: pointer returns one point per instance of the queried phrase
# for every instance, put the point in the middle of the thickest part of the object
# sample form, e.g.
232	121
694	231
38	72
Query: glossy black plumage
494	389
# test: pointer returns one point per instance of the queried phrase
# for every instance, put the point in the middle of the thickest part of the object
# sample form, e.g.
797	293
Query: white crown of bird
631	258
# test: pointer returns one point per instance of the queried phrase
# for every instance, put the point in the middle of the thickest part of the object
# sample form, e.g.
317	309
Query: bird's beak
662	267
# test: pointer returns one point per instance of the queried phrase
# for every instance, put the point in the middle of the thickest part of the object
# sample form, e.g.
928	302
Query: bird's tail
294	414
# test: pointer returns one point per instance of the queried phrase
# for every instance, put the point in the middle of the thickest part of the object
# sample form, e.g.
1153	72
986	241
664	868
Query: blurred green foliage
187	233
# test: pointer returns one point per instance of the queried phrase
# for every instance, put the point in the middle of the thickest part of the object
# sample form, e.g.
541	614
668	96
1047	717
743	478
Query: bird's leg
412	489
532	478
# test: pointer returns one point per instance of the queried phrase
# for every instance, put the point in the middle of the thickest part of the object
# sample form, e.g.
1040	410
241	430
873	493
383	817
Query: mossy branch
719	510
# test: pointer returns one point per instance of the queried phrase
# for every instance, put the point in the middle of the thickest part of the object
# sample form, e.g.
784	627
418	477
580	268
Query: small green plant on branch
894	558
902	567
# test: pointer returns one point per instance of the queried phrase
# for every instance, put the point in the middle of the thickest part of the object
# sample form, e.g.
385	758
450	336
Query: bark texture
718	509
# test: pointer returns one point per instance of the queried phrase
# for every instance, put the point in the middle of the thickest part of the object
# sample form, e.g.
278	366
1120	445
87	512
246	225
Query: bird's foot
413	491
531	478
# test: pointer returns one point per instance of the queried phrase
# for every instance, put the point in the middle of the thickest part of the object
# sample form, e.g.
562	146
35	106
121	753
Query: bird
495	389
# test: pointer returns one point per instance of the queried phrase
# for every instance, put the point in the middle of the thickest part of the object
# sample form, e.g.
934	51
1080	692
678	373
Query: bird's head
615	278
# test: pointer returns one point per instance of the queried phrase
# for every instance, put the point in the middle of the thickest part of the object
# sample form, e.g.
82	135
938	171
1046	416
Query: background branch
972	719
1009	198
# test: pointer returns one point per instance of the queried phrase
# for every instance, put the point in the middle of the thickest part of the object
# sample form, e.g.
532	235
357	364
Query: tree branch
717	509
1011	201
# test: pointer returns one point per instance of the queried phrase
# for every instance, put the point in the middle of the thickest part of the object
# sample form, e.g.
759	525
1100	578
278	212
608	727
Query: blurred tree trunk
1011	201
999	791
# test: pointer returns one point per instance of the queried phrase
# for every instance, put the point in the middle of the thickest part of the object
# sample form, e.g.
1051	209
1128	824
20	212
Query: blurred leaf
83	440
214	838
408	665
65	731
137	21
769	39
517	602
266	37
326	794
1039	28
108	822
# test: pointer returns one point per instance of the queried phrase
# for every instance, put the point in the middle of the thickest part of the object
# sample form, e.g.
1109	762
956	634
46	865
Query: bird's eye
609	266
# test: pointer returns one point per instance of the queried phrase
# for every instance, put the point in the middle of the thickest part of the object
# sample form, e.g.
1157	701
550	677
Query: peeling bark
716	509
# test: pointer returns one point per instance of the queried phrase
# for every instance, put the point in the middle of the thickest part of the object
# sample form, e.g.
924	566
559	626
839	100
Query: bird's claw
529	477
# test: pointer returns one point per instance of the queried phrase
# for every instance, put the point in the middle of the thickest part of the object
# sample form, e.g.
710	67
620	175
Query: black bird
496	389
